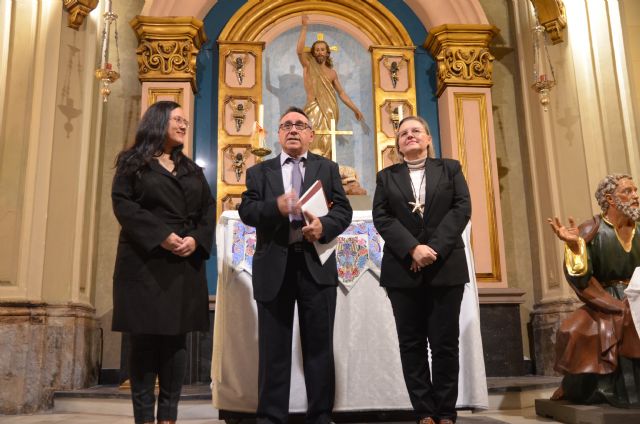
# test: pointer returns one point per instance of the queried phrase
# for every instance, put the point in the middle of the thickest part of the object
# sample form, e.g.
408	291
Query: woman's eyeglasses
413	131
181	121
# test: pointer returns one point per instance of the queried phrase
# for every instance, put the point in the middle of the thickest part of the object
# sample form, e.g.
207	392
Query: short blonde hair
430	150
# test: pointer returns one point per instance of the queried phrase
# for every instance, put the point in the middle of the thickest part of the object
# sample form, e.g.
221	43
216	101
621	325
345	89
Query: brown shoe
446	421
427	420
166	422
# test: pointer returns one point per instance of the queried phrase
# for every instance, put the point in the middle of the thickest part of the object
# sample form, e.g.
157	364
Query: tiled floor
520	416
510	400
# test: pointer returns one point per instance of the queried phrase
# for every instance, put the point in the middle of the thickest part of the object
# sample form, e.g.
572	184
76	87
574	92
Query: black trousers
429	315
316	313
159	356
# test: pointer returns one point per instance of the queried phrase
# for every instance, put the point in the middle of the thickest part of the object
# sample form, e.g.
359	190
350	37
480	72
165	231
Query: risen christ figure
321	84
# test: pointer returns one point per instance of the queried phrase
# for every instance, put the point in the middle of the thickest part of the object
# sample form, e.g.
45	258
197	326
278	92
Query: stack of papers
315	201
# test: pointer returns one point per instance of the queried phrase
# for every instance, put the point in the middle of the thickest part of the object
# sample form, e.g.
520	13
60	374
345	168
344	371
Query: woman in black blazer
420	208
164	206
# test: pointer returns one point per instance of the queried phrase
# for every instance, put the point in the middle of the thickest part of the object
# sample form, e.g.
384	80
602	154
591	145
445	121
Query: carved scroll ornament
168	47
466	64
166	57
462	54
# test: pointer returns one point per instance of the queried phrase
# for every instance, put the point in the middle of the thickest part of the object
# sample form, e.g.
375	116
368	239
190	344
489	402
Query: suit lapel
312	167
274	176
433	173
400	176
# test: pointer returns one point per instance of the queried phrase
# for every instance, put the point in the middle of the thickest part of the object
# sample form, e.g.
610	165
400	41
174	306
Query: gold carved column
239	101
466	128
394	87
167	51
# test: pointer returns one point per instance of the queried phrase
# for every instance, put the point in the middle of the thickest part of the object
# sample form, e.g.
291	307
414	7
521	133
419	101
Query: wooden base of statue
566	412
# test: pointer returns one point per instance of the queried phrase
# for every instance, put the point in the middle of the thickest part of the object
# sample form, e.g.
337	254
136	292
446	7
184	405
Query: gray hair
430	150
607	186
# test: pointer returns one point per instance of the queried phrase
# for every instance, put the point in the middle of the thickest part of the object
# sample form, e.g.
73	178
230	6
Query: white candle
333	140
400	113
261	125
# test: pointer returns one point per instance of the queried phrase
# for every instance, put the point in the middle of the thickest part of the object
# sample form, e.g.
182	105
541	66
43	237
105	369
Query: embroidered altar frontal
367	359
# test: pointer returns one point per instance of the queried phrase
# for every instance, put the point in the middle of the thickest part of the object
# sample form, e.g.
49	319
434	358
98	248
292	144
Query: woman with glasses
164	206
420	208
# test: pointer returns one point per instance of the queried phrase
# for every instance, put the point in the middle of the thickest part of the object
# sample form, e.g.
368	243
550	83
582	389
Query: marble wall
45	348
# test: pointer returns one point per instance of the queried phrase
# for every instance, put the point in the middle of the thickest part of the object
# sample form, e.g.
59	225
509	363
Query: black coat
447	211
260	210
155	291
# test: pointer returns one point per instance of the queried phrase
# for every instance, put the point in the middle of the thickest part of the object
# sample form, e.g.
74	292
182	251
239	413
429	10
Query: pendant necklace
417	206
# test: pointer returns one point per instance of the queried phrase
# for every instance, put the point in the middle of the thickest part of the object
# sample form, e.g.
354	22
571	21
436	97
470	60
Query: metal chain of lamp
106	74
544	78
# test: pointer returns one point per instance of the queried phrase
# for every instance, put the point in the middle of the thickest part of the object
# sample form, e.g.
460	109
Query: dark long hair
149	142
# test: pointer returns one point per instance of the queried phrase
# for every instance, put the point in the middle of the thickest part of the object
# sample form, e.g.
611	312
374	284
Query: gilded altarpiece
239	100
394	96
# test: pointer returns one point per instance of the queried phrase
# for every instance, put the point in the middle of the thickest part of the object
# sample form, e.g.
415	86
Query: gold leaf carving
166	57
466	64
168	47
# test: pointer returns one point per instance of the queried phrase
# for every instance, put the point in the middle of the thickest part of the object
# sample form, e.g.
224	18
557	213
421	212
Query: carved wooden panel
391	115
394	72
239	115
231	202
236	159
240	69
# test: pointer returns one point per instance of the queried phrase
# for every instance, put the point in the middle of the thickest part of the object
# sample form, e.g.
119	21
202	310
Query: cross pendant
417	207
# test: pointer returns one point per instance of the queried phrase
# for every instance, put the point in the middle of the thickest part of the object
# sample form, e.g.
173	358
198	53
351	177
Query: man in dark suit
286	270
420	208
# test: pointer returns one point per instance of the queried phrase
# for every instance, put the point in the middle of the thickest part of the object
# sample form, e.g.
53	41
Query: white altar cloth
367	359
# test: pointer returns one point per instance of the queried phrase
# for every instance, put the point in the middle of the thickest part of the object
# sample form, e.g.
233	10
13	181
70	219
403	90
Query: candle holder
260	151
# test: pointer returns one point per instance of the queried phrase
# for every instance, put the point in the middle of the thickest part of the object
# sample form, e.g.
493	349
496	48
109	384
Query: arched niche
256	24
431	13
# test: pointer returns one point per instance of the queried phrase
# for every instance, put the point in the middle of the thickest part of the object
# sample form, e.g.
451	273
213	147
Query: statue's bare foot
558	394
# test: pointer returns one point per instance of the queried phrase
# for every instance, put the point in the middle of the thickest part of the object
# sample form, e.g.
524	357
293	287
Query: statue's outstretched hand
305	19
569	235
365	128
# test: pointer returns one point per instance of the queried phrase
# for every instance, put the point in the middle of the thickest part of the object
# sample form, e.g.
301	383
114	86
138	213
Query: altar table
367	359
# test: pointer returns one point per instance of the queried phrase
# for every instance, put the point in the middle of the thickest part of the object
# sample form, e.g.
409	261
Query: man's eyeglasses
181	121
300	126
413	131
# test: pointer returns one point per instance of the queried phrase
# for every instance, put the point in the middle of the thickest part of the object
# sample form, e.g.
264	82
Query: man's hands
313	231
179	246
422	255
288	204
569	235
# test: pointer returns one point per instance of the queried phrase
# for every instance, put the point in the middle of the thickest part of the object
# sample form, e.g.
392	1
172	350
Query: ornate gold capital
77	10
553	17
462	54
167	47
